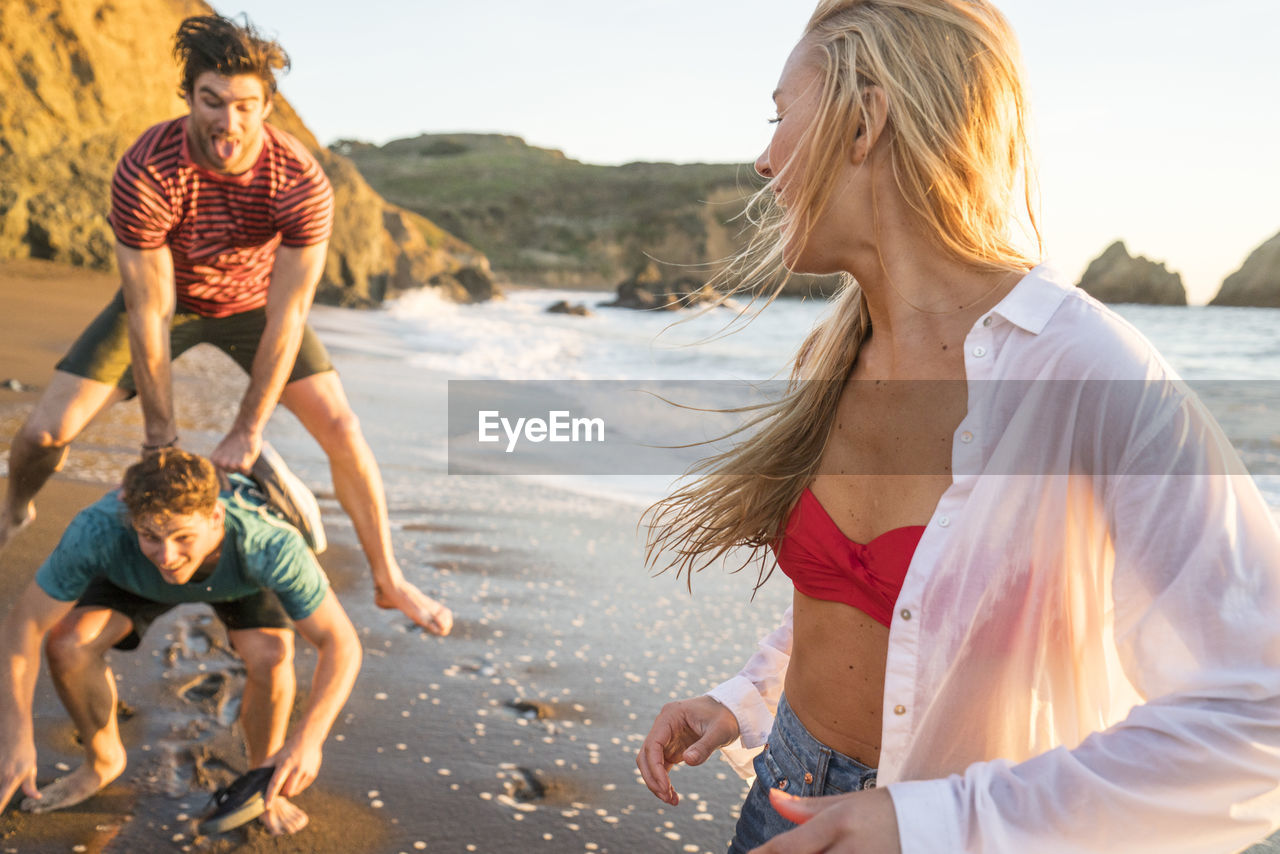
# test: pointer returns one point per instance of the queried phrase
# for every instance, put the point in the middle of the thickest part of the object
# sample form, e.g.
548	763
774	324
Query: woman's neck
922	304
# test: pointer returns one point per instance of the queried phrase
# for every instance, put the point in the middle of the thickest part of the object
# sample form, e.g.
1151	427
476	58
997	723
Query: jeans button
782	784
808	778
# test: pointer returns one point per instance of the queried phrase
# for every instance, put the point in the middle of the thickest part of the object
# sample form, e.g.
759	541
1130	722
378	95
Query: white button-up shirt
1085	654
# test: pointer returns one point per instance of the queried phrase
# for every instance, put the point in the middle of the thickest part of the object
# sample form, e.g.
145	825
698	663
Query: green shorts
261	610
101	352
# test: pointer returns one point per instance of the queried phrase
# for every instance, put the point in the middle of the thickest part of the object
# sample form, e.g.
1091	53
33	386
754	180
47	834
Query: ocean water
1229	352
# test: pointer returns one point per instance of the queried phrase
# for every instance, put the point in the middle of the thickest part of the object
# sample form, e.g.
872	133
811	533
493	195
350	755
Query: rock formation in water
80	79
1115	277
648	290
1257	282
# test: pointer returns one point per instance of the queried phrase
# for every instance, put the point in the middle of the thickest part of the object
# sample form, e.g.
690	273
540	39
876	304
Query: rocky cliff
1115	276
543	218
1257	282
80	79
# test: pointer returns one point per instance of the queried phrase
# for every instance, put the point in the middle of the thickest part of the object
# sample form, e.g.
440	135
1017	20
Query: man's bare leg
76	650
38	450
321	405
264	709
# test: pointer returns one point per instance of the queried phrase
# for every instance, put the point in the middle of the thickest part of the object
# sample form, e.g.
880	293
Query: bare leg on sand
264	709
66	407
76	650
320	403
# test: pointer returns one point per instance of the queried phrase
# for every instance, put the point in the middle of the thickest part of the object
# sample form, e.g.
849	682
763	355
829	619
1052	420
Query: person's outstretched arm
293	286
147	284
21	635
337	663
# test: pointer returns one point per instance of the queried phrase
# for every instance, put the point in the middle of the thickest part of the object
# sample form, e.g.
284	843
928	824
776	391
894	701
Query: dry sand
516	734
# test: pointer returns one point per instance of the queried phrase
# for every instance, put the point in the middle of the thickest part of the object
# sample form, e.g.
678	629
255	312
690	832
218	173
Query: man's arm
21	634
337	663
293	285
149	298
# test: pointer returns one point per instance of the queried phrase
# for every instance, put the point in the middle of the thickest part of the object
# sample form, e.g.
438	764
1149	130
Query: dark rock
1257	282
563	307
648	291
1116	277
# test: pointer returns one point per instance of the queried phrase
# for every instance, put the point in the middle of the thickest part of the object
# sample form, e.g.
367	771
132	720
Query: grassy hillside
543	218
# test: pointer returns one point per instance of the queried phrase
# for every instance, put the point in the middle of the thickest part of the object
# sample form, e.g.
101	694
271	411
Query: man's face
225	125
180	545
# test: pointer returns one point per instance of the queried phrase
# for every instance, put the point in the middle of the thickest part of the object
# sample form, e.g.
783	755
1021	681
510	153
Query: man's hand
17	767
857	823
297	764
417	606
237	452
688	731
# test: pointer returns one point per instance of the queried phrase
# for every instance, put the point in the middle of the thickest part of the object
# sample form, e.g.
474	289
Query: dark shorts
101	352
262	610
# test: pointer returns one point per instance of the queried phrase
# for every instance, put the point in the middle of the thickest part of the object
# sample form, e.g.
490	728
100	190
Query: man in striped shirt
222	226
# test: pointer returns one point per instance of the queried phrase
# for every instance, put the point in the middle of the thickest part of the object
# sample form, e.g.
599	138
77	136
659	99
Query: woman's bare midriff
835	681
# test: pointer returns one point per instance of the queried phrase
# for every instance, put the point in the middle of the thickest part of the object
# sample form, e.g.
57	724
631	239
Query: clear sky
1156	120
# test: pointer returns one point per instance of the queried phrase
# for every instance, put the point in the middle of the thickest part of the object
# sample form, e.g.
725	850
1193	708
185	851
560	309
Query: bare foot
80	785
284	817
13	522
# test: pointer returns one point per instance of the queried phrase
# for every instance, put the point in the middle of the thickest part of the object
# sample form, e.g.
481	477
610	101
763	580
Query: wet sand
517	733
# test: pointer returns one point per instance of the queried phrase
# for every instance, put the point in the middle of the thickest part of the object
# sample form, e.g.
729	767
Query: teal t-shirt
259	551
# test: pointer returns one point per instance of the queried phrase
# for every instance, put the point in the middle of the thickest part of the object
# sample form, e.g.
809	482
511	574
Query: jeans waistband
789	734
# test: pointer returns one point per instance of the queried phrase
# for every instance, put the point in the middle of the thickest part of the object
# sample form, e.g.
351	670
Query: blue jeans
799	764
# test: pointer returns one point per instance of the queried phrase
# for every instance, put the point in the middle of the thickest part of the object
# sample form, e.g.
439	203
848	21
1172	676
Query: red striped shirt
222	230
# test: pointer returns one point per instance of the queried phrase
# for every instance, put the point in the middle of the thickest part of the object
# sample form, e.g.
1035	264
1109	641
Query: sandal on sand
237	803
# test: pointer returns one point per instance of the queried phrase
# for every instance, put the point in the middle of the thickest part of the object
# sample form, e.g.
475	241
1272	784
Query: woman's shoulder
1064	333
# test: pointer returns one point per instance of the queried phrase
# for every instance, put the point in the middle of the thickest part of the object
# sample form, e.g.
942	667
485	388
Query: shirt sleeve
752	695
286	566
84	553
304	211
1196	594
141	216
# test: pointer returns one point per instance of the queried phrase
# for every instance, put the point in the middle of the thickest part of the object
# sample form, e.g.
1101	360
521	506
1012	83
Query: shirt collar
1033	300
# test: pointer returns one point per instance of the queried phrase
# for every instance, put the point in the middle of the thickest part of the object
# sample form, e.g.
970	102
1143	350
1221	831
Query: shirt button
979	352
944	521
966	437
905	614
986	321
899	710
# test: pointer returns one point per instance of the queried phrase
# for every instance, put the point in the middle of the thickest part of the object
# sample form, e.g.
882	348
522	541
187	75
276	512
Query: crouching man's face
180	544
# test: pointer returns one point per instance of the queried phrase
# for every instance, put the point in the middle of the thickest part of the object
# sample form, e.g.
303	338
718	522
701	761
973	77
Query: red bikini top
825	564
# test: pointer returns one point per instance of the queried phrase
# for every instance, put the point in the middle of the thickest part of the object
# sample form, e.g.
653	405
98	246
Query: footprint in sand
531	709
522	788
216	693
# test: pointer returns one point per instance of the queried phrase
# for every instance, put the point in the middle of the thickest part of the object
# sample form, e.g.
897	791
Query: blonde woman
1037	599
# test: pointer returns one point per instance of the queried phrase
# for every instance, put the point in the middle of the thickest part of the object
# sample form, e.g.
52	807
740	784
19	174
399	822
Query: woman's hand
857	823
688	731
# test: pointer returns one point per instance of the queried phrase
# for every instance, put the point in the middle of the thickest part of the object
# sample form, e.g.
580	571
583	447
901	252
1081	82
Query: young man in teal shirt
171	536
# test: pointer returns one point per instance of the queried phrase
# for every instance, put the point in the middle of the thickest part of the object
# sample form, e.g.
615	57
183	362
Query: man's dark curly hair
170	482
214	43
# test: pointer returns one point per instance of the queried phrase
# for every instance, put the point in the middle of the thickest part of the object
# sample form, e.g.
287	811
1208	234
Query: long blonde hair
952	79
